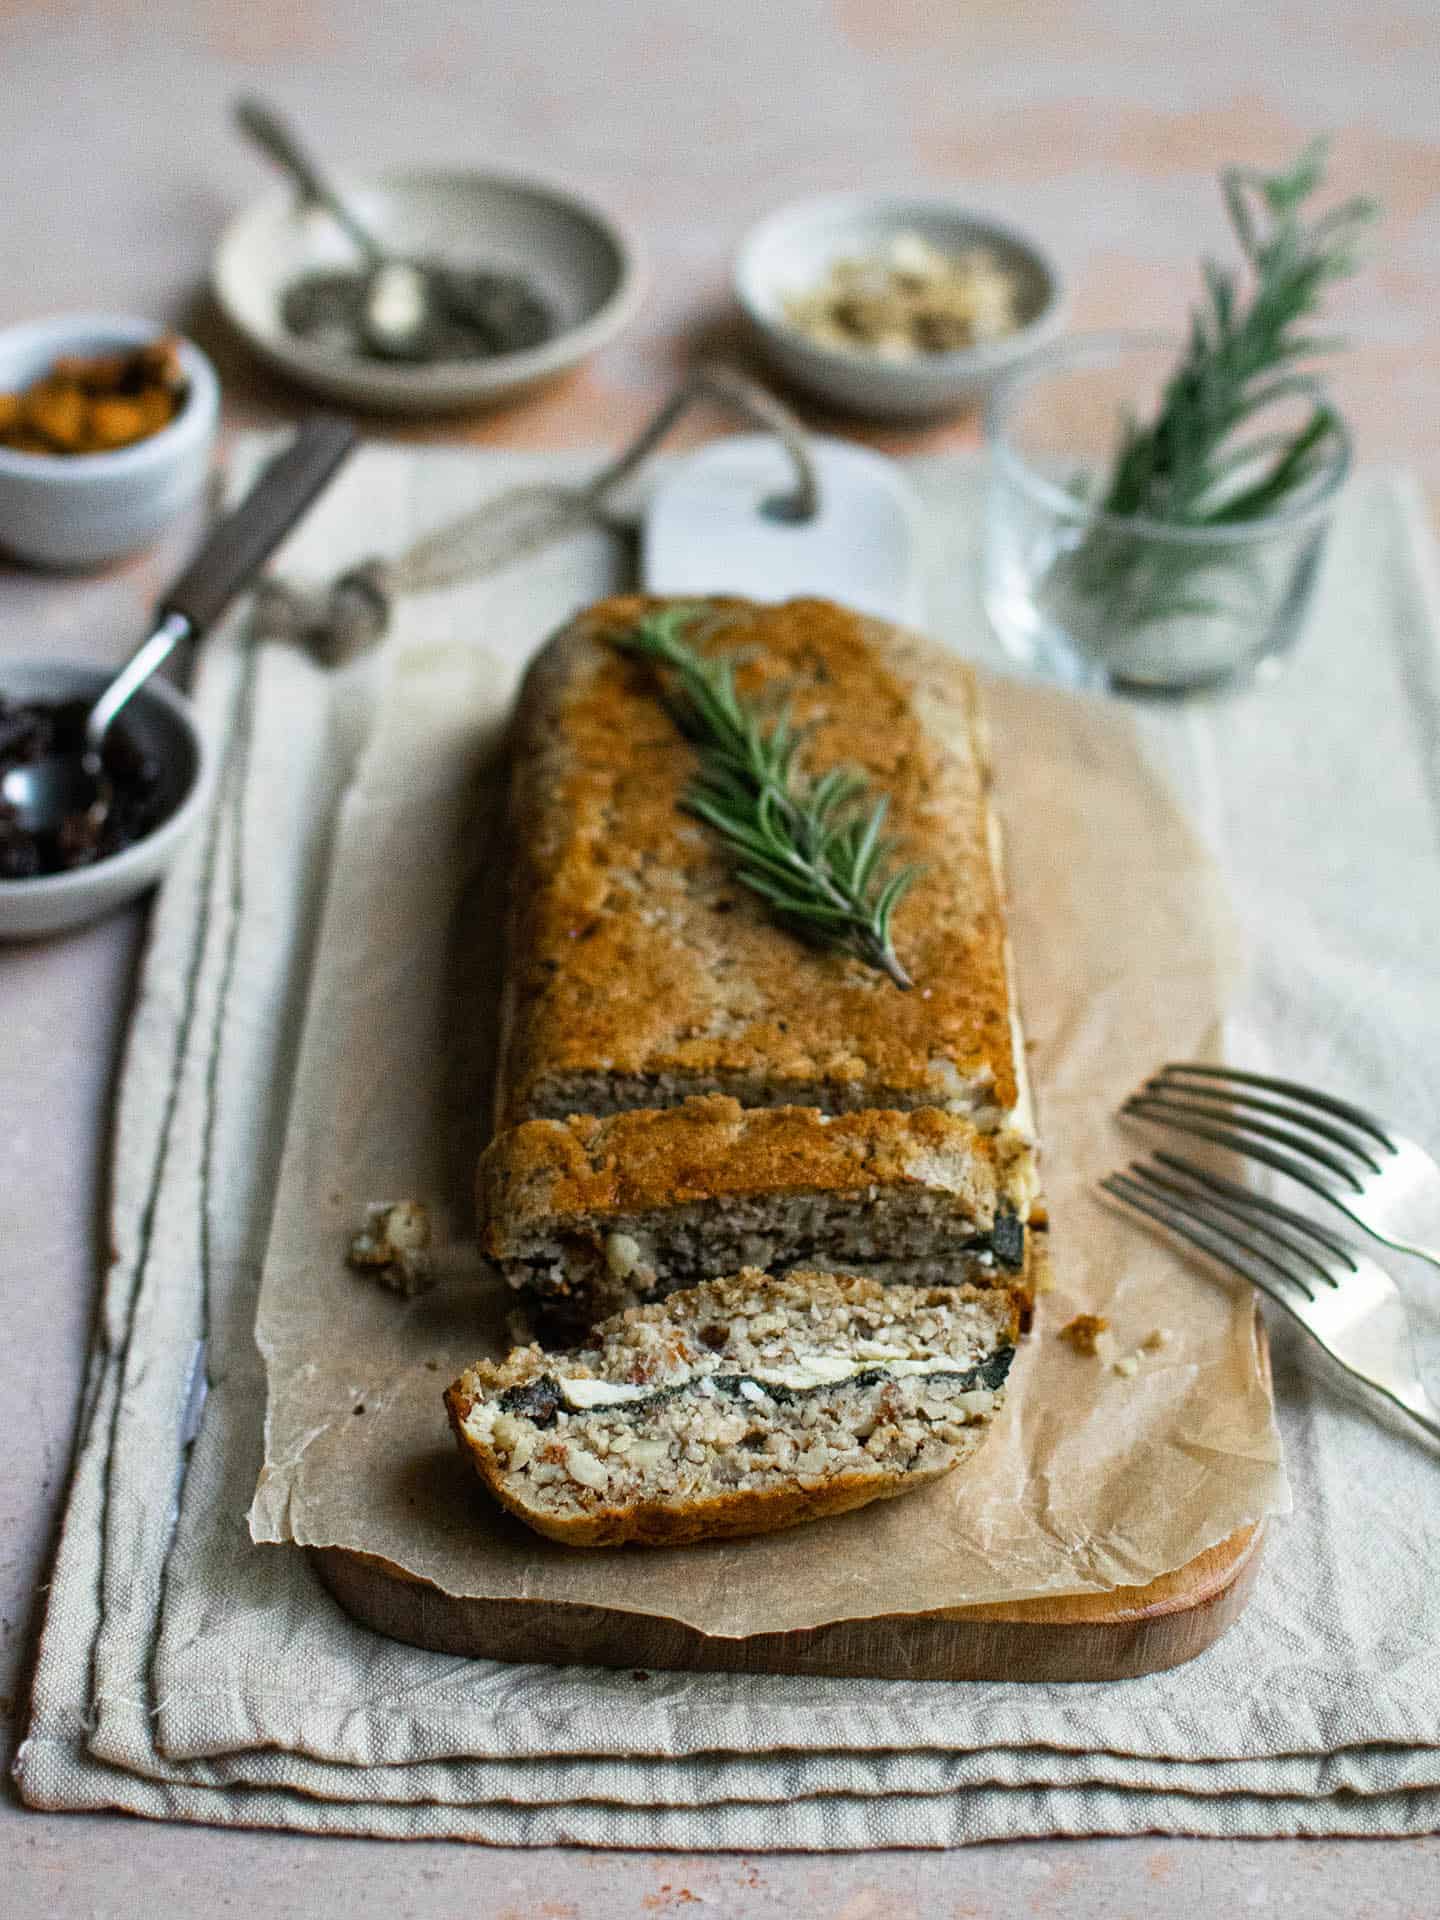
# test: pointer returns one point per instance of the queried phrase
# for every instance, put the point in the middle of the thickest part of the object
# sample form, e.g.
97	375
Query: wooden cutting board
342	1479
1117	1635
1107	1636
1085	1636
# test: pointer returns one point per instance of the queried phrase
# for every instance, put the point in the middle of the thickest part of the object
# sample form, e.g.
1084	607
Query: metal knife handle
244	540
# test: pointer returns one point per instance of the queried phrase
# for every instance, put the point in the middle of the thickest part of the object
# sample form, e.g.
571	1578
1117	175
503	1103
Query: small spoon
401	299
46	792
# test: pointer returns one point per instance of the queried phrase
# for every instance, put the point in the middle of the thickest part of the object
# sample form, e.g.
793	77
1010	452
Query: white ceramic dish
578	258
162	722
80	510
792	250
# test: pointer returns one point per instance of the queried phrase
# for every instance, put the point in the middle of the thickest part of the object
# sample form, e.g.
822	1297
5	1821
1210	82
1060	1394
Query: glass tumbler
1127	604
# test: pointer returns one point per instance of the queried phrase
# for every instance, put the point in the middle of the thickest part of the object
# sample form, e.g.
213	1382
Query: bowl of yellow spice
902	307
106	430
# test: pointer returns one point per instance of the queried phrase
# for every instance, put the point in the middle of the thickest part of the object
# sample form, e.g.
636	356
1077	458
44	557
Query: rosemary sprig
1239	360
814	850
1203	460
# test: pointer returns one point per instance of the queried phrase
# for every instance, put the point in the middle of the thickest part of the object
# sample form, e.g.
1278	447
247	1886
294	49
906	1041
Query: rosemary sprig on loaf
813	848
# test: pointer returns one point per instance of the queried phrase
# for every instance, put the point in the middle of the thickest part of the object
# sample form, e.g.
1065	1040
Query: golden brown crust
633	951
710	1148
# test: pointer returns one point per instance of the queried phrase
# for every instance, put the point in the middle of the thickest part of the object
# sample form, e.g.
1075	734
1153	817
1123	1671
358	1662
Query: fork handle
1411	1399
1409	1247
1420	1407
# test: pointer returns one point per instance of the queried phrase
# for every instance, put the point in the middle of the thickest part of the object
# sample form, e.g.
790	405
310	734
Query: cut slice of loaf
587	1215
640	972
738	1407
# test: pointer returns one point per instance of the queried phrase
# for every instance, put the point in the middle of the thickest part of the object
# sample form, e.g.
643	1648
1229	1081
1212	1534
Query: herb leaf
812	849
1173	469
1216	454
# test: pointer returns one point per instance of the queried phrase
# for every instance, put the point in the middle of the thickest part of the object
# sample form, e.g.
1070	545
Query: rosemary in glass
1213	456
813	848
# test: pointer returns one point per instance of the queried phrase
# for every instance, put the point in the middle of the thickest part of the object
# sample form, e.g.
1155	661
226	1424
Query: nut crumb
1084	1331
909	299
1157	1338
1127	1366
520	1329
394	1244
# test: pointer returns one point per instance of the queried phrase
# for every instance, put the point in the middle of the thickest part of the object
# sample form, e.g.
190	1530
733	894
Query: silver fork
1386	1184
1342	1298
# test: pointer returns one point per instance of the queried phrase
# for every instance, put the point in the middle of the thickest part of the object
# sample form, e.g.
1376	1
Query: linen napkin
185	1673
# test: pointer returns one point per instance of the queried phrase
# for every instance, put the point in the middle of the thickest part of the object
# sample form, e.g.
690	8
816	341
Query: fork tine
1256	1238
1219	1184
1384	1361
1240	1135
1238	1208
1131	1194
1250	1103
1342	1109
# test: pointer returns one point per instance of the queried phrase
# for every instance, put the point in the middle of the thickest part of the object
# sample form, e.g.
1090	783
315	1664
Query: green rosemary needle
813	849
1240	360
1218	452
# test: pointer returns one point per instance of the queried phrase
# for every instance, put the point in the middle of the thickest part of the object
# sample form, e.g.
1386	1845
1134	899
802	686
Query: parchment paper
1090	1480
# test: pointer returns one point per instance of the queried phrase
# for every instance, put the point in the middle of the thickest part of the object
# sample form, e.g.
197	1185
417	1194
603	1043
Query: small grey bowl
583	263
791	251
160	721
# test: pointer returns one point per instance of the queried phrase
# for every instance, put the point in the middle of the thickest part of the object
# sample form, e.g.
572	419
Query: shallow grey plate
581	261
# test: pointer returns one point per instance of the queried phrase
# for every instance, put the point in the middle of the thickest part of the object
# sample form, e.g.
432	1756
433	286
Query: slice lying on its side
738	1407
587	1215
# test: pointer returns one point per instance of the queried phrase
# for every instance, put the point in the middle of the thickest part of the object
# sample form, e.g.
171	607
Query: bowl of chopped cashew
903	307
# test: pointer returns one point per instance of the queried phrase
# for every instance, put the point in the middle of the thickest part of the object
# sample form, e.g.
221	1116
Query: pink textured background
1098	123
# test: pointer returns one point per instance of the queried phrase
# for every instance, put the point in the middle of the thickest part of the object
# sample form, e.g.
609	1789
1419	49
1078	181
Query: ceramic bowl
792	250
162	722
82	509
580	261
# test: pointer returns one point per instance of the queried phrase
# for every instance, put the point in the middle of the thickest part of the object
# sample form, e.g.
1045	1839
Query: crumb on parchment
1084	1331
1089	1333
394	1245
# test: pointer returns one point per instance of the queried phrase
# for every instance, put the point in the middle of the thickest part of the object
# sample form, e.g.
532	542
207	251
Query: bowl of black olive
95	860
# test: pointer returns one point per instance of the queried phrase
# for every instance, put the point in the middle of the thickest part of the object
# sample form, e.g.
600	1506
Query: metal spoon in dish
45	792
403	300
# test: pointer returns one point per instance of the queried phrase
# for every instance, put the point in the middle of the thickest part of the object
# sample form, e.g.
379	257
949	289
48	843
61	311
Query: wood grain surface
1085	1636
1111	1636
1116	1635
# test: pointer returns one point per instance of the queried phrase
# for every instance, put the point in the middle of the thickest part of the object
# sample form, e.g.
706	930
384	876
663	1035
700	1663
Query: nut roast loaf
689	1089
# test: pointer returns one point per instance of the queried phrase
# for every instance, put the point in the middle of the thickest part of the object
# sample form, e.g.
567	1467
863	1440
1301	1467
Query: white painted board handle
710	529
